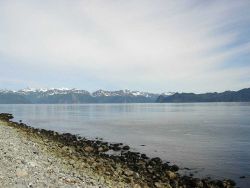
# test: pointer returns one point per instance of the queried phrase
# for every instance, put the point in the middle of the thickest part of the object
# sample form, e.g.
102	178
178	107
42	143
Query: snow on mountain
98	93
70	96
51	91
102	93
168	93
6	91
27	90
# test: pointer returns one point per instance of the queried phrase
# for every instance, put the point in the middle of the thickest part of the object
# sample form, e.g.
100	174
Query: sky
156	46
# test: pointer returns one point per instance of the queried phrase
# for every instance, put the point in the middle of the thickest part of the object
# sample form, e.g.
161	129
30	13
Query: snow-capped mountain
51	91
102	93
98	93
6	91
65	95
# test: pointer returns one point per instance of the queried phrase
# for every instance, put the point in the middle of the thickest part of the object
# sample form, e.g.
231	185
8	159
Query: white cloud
150	45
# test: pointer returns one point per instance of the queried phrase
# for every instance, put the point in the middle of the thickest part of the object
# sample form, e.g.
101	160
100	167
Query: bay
212	139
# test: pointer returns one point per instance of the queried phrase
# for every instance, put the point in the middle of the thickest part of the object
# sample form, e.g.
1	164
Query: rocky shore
44	158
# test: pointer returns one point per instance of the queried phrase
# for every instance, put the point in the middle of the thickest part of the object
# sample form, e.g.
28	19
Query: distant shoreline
126	167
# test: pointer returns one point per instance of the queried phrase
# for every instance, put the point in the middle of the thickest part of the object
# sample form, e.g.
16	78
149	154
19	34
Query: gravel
24	163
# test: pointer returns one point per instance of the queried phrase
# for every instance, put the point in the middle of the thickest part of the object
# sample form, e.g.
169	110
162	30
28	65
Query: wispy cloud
149	45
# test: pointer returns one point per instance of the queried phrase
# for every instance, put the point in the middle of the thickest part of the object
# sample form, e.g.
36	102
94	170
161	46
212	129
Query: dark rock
218	183
156	160
174	168
98	142
116	148
144	156
197	183
231	182
6	116
165	166
126	148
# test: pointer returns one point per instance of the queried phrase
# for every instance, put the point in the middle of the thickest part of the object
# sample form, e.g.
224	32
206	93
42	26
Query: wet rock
174	184
197	183
214	182
174	168
155	161
6	116
126	148
165	166
144	156
116	148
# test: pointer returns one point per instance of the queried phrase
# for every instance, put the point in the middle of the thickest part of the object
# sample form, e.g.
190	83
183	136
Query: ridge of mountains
77	96
242	95
73	96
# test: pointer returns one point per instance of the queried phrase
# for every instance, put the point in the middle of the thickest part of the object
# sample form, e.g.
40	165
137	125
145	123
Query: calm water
210	138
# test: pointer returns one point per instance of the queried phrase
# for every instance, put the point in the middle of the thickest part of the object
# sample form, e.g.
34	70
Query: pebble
88	149
171	175
136	186
21	173
128	172
71	162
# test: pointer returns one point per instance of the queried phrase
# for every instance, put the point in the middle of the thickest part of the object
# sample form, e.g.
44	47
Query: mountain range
73	96
242	95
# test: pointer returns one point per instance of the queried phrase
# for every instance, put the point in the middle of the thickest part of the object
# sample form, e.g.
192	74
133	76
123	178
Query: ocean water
212	139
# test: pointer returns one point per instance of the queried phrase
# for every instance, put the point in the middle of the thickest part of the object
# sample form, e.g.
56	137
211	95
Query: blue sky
156	46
